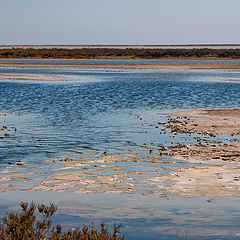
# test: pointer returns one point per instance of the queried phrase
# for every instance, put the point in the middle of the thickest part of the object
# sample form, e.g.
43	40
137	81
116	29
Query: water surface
116	112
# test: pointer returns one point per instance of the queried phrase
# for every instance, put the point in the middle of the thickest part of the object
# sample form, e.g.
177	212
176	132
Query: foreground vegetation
27	225
86	53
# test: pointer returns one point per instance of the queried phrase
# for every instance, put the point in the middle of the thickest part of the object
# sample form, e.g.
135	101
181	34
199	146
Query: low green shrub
34	222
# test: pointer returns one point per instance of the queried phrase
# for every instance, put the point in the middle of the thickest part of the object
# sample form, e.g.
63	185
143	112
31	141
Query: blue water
100	110
100	114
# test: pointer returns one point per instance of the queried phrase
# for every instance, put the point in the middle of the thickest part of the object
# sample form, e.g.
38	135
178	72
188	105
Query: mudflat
217	173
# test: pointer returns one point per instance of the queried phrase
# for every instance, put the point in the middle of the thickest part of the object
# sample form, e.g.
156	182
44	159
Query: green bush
25	225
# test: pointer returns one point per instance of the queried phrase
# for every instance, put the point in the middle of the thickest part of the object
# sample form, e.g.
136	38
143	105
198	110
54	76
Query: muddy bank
199	153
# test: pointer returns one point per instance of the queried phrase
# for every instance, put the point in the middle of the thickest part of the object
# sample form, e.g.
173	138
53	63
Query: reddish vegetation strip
117	52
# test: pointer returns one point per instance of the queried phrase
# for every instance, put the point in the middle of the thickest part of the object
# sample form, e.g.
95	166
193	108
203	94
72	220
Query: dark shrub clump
27	226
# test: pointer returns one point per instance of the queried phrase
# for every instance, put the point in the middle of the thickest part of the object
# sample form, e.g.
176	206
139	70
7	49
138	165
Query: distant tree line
86	53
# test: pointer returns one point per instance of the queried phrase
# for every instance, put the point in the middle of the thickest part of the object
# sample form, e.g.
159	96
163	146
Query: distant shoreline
123	46
124	65
125	58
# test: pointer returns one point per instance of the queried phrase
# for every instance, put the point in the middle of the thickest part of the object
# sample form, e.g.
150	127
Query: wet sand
222	180
82	173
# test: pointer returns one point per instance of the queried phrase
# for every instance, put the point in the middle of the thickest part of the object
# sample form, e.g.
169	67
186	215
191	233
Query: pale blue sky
119	22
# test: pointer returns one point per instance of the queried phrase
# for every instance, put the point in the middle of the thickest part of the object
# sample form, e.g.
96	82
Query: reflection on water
142	217
112	113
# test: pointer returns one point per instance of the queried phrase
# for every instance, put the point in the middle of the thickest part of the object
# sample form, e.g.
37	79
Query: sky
119	22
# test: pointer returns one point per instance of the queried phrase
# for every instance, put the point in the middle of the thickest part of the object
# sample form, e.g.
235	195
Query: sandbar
31	77
198	65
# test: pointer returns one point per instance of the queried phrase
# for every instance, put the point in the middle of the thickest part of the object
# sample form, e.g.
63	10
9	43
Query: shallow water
116	112
99	111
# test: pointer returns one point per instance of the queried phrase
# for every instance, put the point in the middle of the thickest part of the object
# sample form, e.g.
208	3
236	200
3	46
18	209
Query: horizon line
160	45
